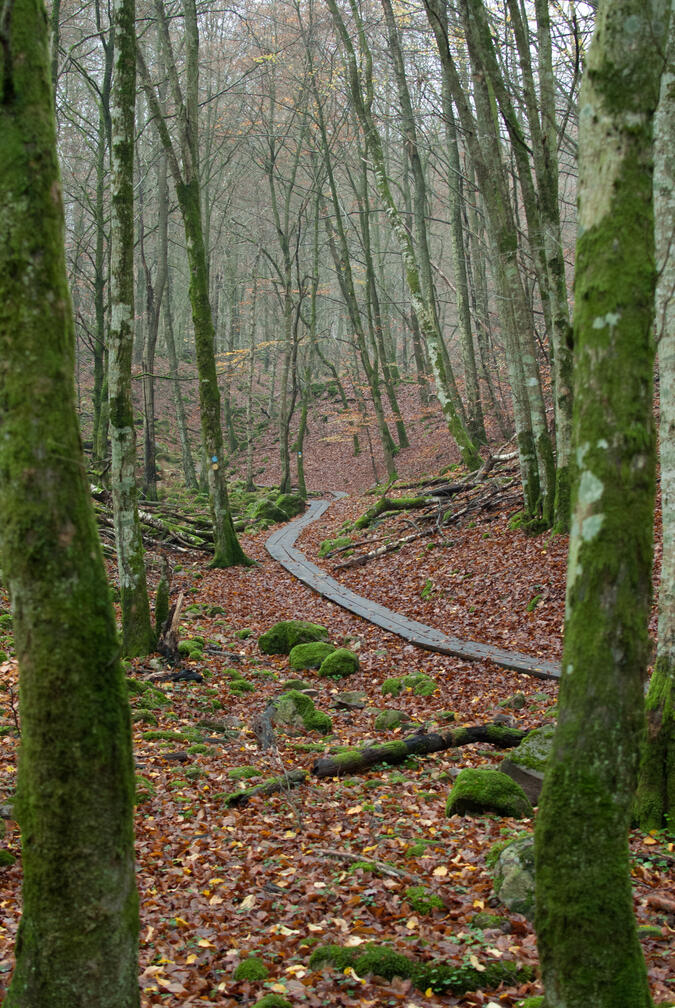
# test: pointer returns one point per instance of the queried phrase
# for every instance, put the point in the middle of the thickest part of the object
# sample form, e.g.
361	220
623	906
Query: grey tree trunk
656	790
588	945
138	637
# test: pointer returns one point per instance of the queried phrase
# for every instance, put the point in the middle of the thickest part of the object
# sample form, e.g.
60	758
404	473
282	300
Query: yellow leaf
354	940
477	965
190	959
181	922
649	840
412	923
441	871
479	904
354	810
315	927
279	988
248	902
205	943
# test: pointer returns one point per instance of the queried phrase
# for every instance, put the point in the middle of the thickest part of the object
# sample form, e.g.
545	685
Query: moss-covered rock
513	876
484	921
7	859
144	716
267	510
251	969
481	790
339	664
284	636
527	764
297	684
145	789
423	900
296	710
291	504
392	687
515	702
388	719
419	683
310	656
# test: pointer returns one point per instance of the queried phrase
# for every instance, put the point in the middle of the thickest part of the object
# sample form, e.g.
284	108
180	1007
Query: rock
340	664
389	718
308	656
283	636
526	764
515	702
514	876
296	710
352	700
267	510
480	790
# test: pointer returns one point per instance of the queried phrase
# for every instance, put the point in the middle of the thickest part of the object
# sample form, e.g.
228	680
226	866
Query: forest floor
330	861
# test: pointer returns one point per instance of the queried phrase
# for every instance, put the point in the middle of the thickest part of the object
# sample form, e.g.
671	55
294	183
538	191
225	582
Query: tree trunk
138	636
77	941
656	791
588	944
189	473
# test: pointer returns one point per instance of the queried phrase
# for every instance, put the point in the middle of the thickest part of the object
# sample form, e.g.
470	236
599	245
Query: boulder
340	664
296	710
514	876
388	719
283	636
481	790
306	656
351	700
526	764
291	504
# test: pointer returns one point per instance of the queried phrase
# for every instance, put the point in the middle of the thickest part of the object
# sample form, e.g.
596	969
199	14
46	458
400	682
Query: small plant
427	590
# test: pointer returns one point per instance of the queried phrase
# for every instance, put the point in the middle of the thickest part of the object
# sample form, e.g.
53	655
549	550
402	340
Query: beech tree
587	937
77	941
656	791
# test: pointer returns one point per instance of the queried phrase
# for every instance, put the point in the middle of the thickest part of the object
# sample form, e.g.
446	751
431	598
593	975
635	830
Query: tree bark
77	941
138	636
588	944
656	791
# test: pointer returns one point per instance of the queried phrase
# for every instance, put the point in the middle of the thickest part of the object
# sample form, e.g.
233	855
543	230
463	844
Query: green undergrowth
437	976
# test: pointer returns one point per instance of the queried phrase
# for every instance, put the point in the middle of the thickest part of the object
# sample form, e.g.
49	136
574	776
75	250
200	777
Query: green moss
482	790
291	504
296	684
272	1001
243	773
7	859
251	969
339	664
232	673
533	1002
145	789
283	636
165	736
243	634
239	686
195	750
365	866
420	684
329	545
484	921
438	976
146	716
392	687
423	900
307	656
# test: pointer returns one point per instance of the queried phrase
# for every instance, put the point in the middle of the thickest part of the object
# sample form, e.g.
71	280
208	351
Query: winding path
281	547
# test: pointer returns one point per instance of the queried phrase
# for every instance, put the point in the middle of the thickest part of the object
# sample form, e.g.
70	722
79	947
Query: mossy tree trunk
228	551
588	944
77	941
138	636
656	790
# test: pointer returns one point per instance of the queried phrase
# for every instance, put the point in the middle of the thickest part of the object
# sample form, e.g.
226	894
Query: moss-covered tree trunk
77	941
138	636
588	945
656	790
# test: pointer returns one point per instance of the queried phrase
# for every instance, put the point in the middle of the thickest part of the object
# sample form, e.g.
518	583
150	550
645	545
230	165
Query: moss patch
251	969
423	900
297	710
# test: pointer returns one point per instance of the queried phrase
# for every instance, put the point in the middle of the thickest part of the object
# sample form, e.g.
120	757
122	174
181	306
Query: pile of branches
438	504
162	525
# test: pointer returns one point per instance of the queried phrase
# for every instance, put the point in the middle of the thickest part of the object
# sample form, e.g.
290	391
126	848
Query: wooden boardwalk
281	546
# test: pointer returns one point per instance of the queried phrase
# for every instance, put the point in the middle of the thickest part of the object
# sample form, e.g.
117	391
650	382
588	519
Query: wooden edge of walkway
281	547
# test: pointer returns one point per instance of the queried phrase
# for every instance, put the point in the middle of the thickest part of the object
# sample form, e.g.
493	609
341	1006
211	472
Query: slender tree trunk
588	944
656	791
77	941
138	637
189	474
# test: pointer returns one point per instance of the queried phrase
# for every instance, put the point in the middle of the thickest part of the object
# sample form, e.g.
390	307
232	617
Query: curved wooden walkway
281	546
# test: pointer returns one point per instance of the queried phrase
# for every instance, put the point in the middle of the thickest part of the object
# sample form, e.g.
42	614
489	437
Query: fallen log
353	761
284	783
